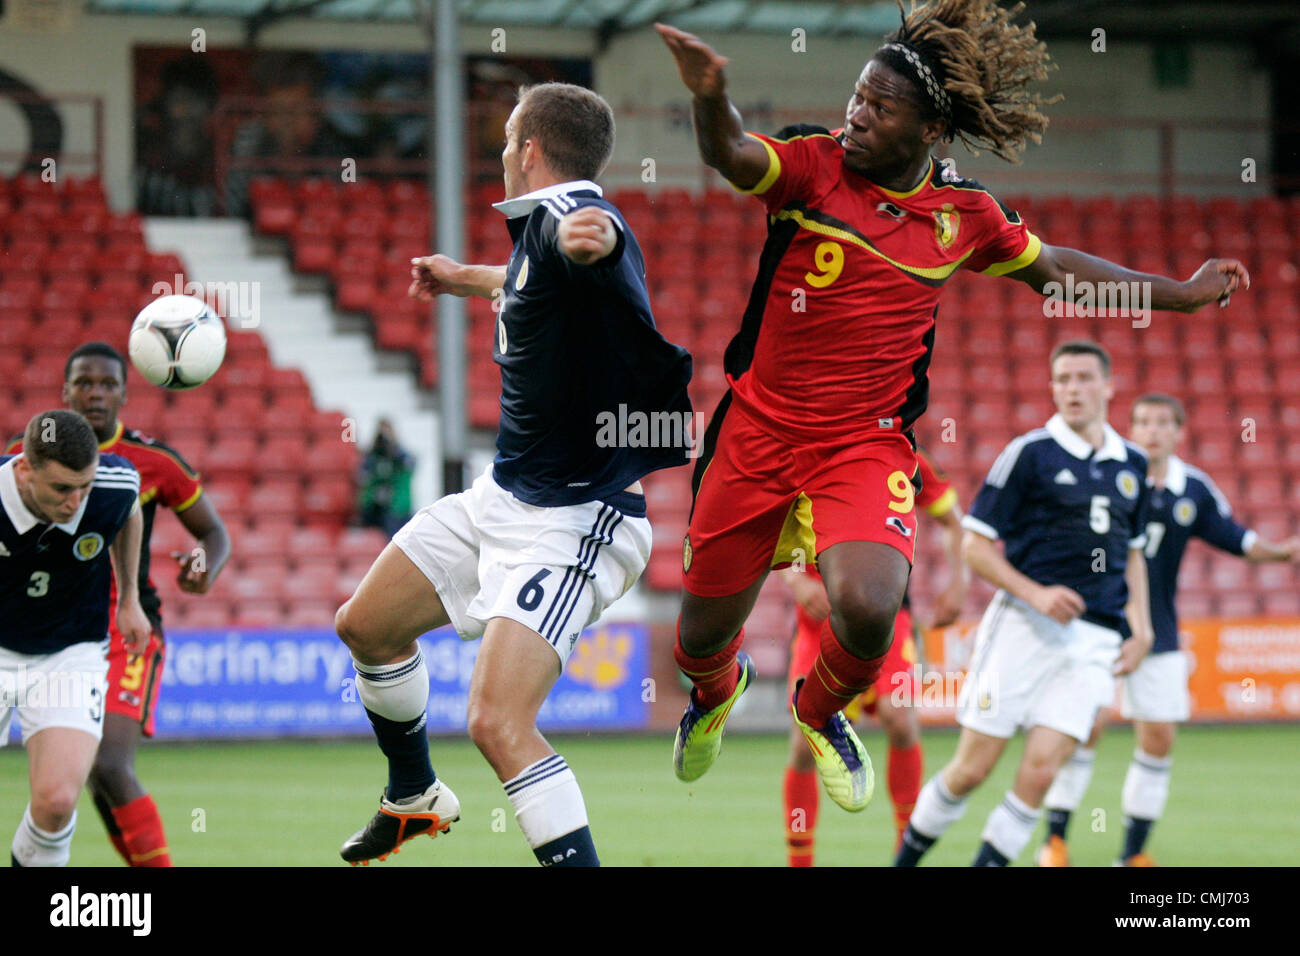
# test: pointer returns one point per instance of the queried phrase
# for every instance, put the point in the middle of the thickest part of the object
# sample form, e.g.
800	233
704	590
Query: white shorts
1157	690
554	570
63	689
1028	670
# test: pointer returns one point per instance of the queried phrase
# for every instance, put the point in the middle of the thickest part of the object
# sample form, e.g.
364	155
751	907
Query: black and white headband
938	95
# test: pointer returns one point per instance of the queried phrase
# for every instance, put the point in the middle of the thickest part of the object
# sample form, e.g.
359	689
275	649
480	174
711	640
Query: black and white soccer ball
177	342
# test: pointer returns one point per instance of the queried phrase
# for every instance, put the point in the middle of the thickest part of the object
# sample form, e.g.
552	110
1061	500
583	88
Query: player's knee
55	800
494	730
862	617
352	631
1157	739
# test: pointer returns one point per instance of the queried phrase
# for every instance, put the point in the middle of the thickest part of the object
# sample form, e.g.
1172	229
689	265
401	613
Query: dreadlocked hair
985	63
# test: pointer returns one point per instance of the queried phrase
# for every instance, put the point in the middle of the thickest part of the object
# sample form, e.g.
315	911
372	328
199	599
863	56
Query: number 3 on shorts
900	486
531	594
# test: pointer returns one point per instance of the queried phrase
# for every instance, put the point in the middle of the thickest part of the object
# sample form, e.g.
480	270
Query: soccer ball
177	342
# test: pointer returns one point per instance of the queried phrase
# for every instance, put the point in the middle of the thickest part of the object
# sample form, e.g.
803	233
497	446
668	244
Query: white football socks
547	801
1146	786
1010	826
33	846
936	809
397	692
1071	781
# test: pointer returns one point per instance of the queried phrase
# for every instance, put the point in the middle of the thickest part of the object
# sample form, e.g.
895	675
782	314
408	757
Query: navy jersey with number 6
1068	514
1188	506
54	578
577	345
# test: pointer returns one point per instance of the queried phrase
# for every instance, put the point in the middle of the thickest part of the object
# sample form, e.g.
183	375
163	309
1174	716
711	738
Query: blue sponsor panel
234	683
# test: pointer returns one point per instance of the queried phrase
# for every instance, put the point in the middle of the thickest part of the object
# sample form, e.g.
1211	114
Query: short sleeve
793	164
1005	243
993	512
179	488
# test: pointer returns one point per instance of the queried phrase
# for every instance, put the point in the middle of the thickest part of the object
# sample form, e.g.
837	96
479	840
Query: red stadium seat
259	614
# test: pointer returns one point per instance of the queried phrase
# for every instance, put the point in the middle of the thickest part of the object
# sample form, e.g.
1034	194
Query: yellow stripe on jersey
1032	248
943	504
149	495
771	176
189	501
925	272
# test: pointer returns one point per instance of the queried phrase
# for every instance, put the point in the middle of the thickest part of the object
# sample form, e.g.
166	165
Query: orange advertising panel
1244	668
1241	669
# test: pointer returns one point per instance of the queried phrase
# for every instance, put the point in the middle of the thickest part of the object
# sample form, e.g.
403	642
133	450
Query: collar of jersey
1175	476
1112	448
22	519
117	433
523	205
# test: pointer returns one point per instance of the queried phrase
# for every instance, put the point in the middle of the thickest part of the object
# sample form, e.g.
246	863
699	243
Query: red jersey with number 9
840	327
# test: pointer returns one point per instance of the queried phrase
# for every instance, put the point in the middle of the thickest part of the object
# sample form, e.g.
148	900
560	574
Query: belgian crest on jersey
686	554
1184	511
1127	483
947	221
88	545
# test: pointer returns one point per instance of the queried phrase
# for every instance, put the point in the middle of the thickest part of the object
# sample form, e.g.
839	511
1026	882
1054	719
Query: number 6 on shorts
531	594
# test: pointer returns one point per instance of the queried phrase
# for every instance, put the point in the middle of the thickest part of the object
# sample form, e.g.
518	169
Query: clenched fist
587	235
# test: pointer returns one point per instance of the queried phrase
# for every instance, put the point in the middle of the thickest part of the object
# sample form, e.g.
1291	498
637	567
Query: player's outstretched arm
1138	613
1262	551
1056	601
743	161
441	275
1215	280
124	553
199	568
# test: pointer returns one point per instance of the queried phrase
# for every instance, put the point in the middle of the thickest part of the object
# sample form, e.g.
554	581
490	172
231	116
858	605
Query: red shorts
764	504
133	685
897	674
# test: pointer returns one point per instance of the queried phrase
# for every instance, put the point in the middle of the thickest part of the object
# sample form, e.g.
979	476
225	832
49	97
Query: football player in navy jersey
1071	613
555	530
1184	504
65	509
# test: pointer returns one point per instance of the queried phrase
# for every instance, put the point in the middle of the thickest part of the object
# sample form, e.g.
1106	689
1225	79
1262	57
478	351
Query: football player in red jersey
812	446
893	697
94	385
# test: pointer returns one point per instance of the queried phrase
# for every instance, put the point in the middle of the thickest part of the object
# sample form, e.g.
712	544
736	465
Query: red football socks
142	832
904	782
835	679
802	792
715	676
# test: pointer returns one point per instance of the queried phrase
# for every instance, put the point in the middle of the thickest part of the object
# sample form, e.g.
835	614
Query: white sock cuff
936	809
1011	826
33	846
1071	782
1146	786
398	692
1148	762
547	801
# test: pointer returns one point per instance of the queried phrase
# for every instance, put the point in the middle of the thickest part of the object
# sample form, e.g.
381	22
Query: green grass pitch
293	803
